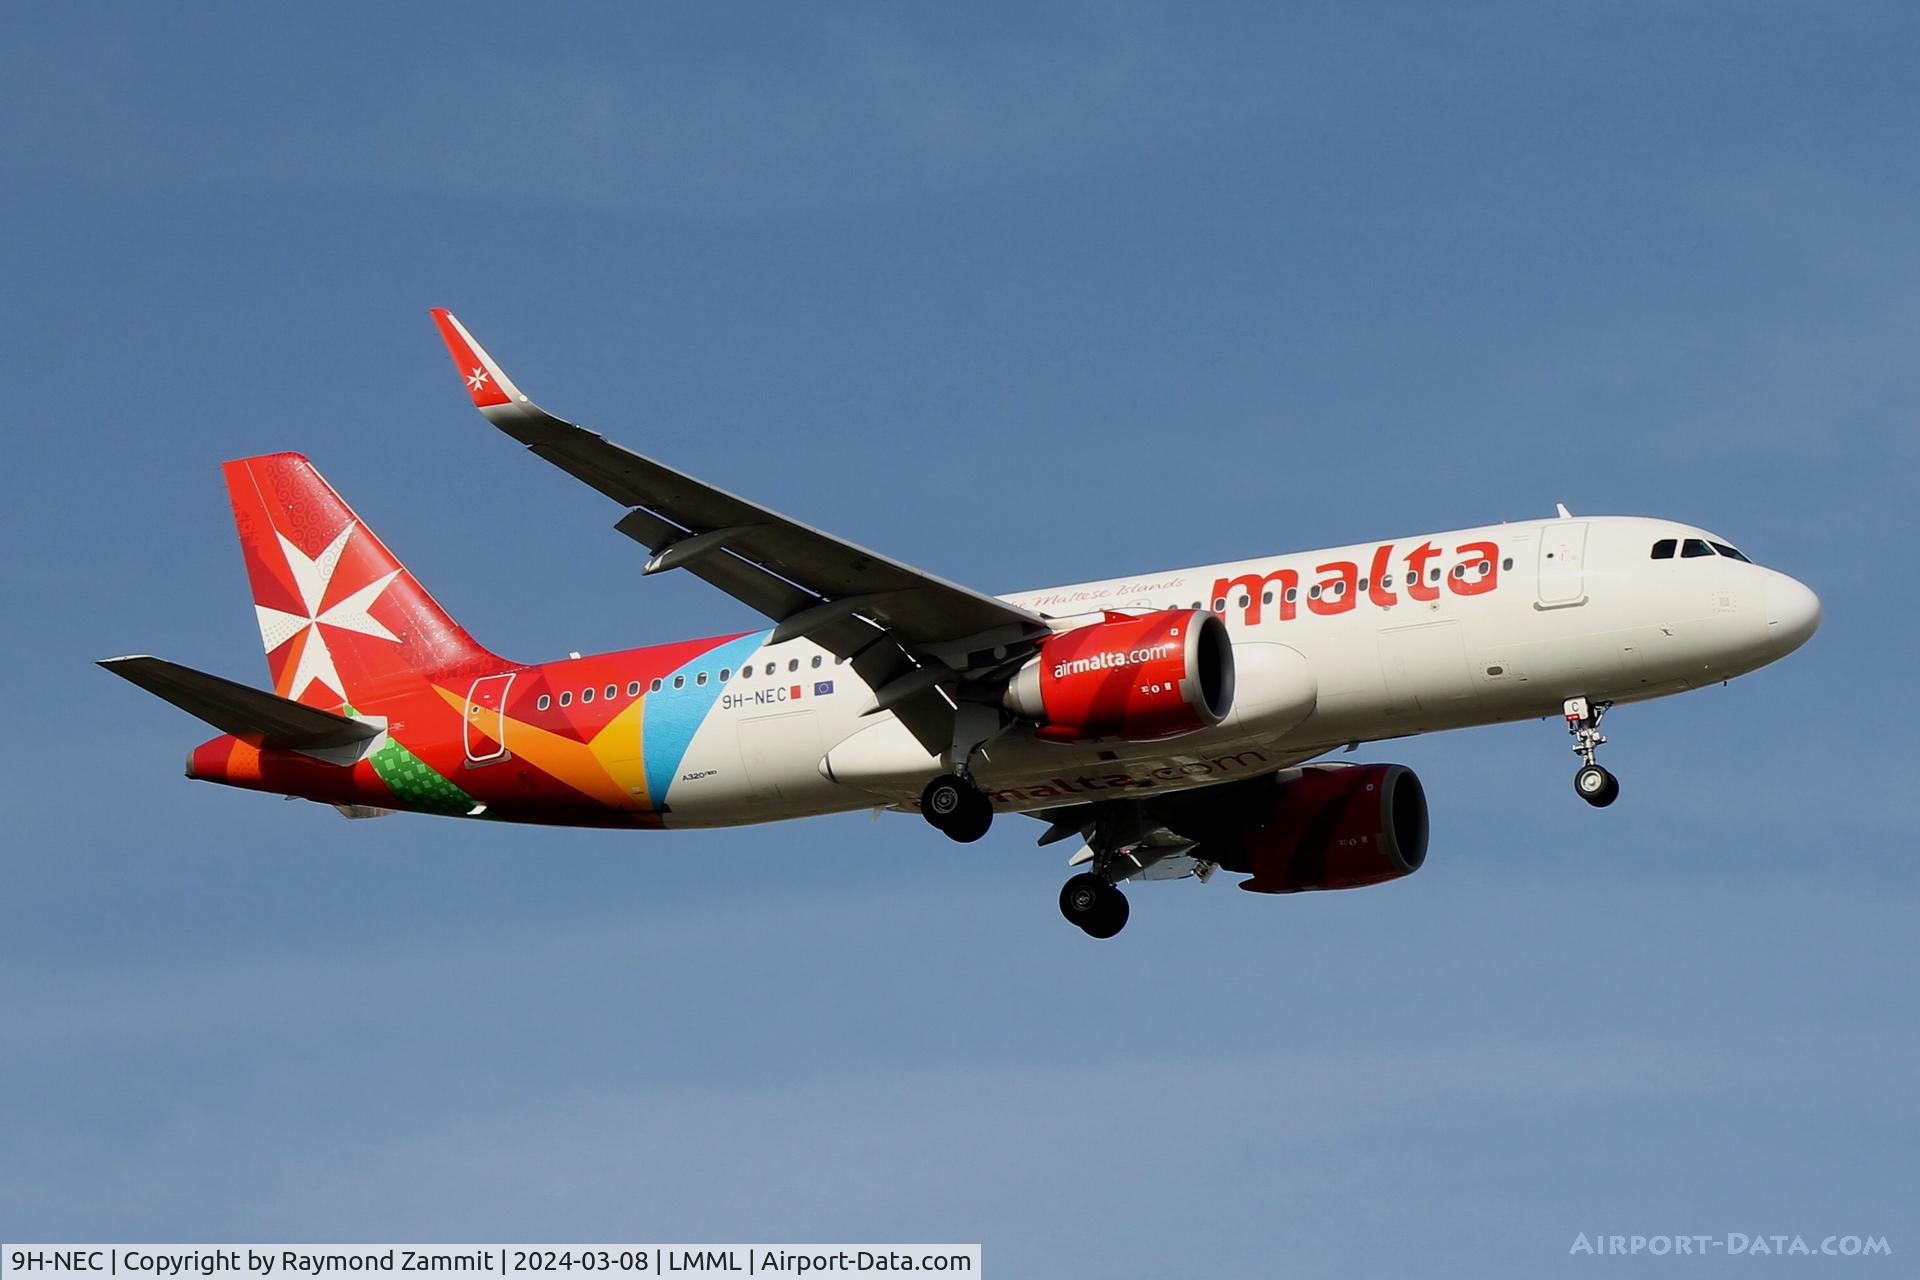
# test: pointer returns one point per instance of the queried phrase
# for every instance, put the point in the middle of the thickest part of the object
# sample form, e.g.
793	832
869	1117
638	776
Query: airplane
1175	723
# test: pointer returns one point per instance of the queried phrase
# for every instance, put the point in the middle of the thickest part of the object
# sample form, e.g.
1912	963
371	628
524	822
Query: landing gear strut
1099	908
956	808
1592	783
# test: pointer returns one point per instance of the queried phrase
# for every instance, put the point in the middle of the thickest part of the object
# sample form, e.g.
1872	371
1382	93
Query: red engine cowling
1137	677
1325	829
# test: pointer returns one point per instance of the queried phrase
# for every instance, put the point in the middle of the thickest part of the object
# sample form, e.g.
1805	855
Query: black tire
1113	915
972	820
943	798
1083	898
957	808
1596	786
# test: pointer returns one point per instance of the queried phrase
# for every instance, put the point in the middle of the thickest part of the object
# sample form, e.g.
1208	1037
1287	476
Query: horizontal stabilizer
241	709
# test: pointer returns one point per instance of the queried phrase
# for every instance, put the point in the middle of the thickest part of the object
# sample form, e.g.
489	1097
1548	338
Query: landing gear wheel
1593	784
972	821
1596	786
957	808
1113	915
942	798
1099	909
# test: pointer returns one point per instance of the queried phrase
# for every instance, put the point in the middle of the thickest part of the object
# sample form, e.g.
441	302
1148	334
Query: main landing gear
957	808
1099	908
1592	783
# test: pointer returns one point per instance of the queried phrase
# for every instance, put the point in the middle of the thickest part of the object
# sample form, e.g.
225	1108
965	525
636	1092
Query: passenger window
1266	597
566	699
1507	563
726	673
1363	585
746	672
1663	549
1313	593
1730	553
1434	576
1459	571
655	686
793	664
1293	593
1693	548
1386	582
633	688
586	695
1220	605
613	691
1244	602
679	682
701	678
545	702
816	662
771	666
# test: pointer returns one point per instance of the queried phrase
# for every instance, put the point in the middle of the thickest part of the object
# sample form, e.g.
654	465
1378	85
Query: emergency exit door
486	727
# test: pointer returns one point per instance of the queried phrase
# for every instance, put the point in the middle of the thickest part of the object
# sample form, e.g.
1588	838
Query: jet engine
1321	827
1135	677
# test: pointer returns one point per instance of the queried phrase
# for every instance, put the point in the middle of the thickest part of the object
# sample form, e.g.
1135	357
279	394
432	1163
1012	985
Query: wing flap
239	709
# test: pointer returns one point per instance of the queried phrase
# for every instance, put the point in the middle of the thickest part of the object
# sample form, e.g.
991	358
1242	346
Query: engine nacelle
1137	677
1324	828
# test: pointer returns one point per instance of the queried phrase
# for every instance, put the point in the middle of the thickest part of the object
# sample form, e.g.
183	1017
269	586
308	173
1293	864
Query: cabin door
1563	553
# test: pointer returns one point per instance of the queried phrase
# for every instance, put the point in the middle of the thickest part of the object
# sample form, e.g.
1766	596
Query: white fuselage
1504	622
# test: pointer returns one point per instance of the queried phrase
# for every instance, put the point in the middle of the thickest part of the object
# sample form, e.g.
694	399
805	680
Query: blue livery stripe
673	715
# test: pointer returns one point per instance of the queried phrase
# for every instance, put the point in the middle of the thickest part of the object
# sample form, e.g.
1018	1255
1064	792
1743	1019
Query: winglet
486	382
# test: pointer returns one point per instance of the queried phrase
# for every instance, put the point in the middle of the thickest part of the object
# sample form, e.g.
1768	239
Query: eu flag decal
821	688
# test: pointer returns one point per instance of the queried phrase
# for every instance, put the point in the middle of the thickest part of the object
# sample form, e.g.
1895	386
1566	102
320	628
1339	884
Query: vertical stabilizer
341	619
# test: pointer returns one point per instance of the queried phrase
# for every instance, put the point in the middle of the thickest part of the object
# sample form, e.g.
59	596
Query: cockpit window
1694	548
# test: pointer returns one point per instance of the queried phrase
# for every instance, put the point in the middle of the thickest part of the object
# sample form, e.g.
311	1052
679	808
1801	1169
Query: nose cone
1793	613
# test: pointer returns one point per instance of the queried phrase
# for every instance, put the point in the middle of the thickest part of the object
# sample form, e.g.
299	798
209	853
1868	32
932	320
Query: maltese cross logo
477	379
312	578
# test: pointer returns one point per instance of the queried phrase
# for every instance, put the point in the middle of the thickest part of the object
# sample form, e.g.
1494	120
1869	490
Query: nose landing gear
1592	783
956	808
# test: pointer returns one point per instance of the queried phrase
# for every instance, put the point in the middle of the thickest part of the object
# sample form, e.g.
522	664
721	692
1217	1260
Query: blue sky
1024	298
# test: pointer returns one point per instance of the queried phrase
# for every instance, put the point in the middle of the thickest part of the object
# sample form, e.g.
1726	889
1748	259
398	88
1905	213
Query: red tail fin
341	618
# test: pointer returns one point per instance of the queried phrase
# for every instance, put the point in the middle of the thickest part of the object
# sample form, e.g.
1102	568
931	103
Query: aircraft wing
905	631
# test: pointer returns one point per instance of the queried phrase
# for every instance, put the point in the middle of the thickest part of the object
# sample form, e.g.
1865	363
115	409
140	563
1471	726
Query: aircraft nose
1793	613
